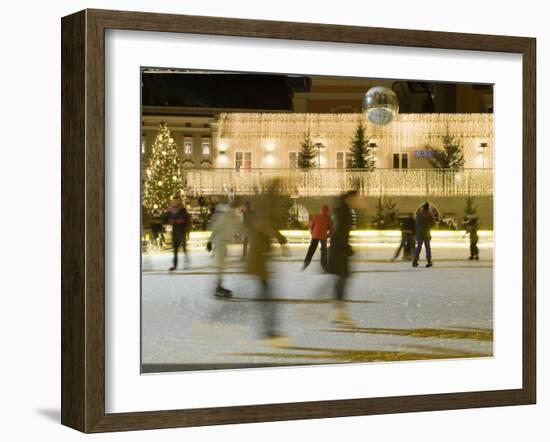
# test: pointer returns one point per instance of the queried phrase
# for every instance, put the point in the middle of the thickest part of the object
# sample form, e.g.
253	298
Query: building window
343	160
396	161
339	160
188	125
400	160
293	160
206	147
243	160
188	146
348	156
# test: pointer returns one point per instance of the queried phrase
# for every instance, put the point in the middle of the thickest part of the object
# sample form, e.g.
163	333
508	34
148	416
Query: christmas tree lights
163	178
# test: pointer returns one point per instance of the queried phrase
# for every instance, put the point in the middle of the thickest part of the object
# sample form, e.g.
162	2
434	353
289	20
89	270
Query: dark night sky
272	92
219	90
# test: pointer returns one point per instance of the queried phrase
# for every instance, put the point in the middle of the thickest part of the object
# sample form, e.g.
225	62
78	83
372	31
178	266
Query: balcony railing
328	182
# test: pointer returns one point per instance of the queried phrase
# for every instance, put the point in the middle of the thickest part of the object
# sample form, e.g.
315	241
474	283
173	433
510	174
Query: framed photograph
267	221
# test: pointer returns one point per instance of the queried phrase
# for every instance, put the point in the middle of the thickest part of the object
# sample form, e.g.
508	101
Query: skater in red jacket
320	228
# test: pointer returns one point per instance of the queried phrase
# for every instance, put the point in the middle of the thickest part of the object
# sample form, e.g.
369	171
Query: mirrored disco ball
380	104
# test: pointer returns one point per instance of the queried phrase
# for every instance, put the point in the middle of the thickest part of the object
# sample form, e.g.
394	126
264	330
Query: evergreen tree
450	156
292	220
163	178
307	153
362	156
386	214
379	215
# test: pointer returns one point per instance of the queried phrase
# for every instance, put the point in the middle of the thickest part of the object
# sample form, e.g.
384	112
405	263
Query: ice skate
171	269
430	263
222	292
285	251
415	262
278	341
186	263
342	317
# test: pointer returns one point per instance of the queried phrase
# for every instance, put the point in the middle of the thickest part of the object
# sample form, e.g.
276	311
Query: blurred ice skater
225	223
339	253
407	238
263	229
157	233
248	214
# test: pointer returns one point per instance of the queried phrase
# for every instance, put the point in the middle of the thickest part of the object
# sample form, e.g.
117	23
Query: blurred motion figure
225	223
340	252
407	238
262	230
247	214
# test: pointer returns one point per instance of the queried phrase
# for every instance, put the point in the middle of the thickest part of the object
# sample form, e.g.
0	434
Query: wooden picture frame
83	211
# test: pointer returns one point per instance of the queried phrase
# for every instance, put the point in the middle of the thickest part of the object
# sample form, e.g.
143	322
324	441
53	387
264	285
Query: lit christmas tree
362	156
163	178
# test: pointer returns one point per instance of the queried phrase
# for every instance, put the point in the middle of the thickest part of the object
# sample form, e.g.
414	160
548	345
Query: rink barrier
379	238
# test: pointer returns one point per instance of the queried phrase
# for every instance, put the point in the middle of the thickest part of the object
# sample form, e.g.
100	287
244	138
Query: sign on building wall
423	154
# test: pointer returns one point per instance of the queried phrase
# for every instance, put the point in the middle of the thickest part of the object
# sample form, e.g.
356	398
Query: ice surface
399	313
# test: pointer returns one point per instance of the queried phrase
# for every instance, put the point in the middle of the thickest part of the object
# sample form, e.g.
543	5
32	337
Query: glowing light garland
281	133
277	134
330	182
405	127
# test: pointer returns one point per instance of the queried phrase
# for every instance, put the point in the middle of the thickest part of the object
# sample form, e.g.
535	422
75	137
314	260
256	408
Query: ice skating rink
400	313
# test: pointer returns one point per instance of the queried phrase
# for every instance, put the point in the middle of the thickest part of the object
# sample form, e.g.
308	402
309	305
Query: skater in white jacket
225	223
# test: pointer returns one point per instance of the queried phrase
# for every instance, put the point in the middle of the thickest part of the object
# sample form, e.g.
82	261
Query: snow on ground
399	313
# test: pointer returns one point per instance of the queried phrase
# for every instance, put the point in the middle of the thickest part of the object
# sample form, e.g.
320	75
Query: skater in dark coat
340	252
320	228
471	225
423	232
248	215
178	217
407	238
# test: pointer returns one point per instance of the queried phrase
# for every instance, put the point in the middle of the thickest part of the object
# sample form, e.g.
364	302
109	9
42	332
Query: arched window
435	212
302	214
